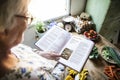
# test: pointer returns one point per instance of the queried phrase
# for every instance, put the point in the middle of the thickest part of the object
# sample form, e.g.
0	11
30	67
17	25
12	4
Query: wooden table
96	67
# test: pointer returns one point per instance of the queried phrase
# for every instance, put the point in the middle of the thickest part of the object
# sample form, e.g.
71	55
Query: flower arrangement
74	75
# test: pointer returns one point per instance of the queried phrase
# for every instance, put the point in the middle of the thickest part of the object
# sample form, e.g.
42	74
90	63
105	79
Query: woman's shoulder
30	65
22	47
28	73
26	53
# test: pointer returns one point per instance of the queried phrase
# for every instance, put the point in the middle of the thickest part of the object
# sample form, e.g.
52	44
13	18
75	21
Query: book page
76	52
54	39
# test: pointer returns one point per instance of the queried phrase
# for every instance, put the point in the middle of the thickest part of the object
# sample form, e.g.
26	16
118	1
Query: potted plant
40	28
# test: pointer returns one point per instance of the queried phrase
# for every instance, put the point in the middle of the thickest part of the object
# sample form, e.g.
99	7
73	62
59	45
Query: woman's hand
50	55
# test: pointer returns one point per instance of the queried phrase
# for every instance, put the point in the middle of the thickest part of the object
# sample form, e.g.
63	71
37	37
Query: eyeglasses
27	18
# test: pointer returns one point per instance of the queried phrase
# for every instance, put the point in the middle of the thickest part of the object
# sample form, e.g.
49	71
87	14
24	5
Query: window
49	9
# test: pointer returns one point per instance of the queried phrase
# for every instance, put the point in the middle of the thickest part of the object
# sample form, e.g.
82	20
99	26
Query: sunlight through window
49	9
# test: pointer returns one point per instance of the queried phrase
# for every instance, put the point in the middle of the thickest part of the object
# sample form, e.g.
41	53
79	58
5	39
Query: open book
74	50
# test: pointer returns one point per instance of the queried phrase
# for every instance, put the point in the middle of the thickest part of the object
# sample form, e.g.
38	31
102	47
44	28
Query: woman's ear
4	32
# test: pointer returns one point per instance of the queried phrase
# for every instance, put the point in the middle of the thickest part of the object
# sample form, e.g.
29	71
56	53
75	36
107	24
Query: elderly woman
17	61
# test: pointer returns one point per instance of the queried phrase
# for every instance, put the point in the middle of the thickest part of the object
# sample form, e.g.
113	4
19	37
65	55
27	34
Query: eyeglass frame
26	18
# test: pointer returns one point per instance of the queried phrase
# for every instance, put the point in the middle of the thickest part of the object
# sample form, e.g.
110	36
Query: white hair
9	8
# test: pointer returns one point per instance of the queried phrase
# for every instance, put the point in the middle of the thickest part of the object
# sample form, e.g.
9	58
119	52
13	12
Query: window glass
49	9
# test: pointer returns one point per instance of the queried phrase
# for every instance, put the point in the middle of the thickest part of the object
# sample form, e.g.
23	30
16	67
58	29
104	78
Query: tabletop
96	67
